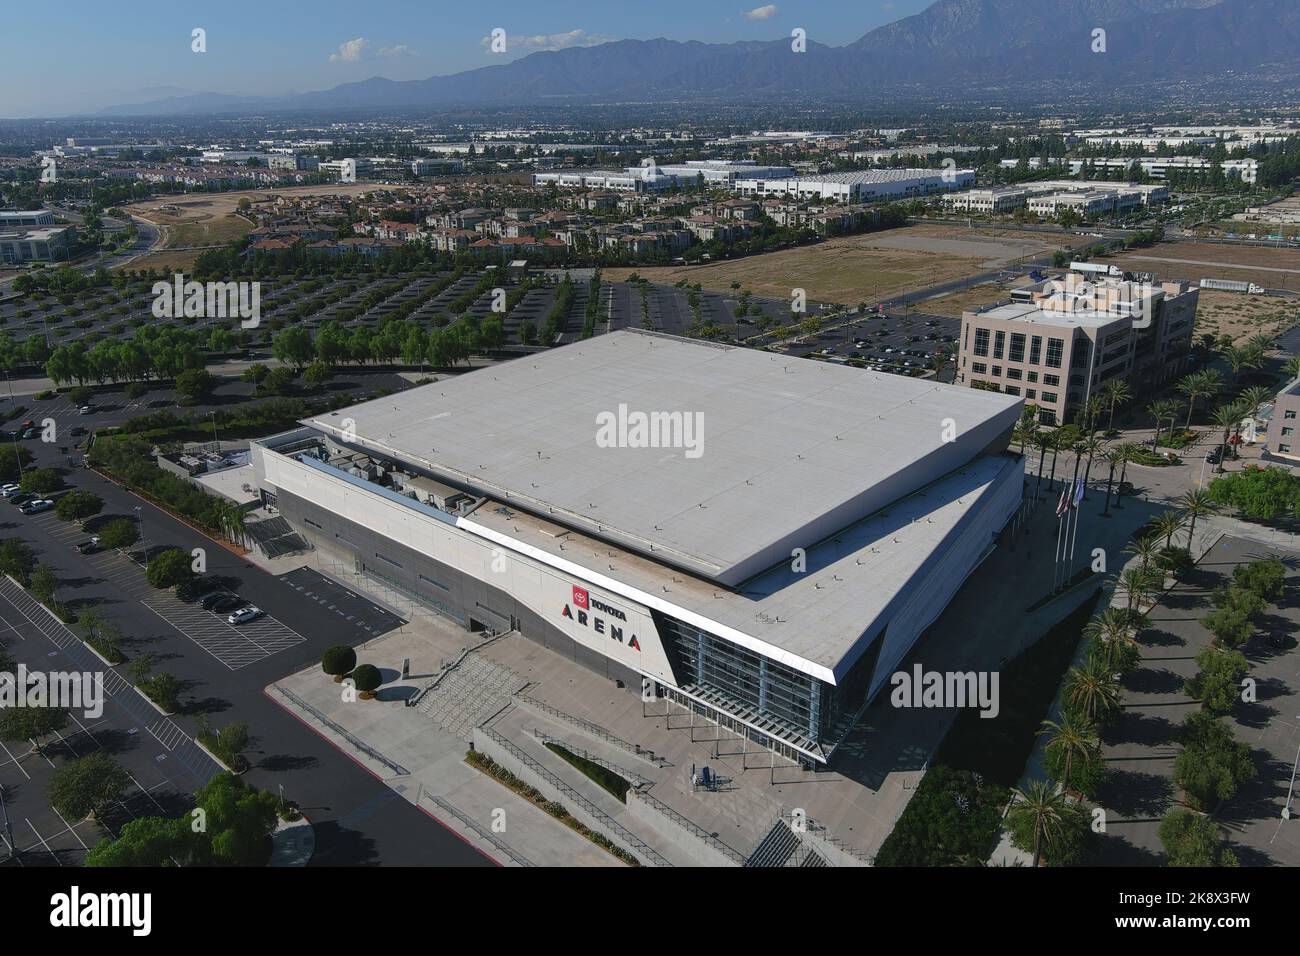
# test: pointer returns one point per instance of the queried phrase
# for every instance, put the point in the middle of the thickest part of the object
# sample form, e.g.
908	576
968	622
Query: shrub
1191	839
78	505
41	481
169	569
1218	685
1265	578
137	389
119	533
338	661
367	679
1212	763
87	784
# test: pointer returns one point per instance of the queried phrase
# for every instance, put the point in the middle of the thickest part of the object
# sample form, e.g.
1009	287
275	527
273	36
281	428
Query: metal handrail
694	828
595	730
483	833
356	742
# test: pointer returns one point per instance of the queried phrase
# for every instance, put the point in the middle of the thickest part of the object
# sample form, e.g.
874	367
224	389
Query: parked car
76	431
212	598
8	491
36	506
21	498
85	409
1214	457
244	615
225	604
90	546
29	433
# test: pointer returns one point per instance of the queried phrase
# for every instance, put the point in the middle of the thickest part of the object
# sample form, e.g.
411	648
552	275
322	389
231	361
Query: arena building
758	537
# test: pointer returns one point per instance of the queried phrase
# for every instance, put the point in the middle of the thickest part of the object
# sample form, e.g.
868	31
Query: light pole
1286	807
10	383
9	830
18	456
213	415
139	523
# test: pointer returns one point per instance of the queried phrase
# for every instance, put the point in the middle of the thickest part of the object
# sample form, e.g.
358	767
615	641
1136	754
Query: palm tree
1239	358
1024	432
1161	409
1292	367
1195	503
1144	548
1136	587
1093	691
1091	445
1072	737
1043	808
1226	417
1112	629
1126	452
1113	458
1168	523
1043	440
1199	385
1116	391
1253	399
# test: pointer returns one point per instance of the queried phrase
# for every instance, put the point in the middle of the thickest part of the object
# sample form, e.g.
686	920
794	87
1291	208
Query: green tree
1218	685
366	678
145	841
119	533
78	505
44	584
31	724
41	481
1040	821
87	785
240	819
195	384
1073	744
1212	762
1192	839
338	661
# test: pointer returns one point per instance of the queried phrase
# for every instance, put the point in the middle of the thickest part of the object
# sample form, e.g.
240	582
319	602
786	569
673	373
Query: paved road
358	821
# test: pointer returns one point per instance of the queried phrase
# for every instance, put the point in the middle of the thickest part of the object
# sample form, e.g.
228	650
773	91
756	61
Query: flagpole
1056	566
1078	515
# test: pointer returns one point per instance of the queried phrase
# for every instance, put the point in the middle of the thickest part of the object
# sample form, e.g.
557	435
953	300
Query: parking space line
43	843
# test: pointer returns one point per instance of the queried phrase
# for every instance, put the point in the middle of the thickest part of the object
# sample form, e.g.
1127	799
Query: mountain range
954	47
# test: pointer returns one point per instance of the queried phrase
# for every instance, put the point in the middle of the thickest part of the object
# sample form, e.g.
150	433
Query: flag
1078	492
1063	504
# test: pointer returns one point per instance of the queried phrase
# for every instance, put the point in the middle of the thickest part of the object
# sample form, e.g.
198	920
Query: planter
221	763
150	701
107	662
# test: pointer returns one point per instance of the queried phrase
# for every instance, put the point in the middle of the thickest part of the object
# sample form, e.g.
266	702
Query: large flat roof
791	450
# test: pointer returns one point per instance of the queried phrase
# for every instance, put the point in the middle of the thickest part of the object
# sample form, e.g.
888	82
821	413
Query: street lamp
213	415
139	522
1286	807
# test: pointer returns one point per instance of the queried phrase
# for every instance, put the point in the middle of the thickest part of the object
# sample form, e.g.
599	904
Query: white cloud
549	41
351	51
354	51
766	12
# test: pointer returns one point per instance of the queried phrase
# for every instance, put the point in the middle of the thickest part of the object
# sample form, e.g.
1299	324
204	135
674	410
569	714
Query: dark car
1214	457
210	600
89	547
227	603
22	499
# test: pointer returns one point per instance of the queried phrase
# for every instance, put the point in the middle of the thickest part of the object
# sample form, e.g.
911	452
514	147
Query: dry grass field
1270	267
1242	316
855	269
212	219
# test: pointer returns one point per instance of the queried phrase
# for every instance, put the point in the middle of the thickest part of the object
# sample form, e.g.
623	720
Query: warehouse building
859	186
756	537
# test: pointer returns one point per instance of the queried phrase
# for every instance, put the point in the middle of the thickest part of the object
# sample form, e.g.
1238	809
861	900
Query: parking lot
162	761
356	609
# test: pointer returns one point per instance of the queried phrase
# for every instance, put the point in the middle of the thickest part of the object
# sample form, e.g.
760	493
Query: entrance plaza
526	694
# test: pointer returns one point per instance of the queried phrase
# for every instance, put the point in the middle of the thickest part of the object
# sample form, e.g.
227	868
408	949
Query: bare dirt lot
855	269
1269	267
213	219
1242	316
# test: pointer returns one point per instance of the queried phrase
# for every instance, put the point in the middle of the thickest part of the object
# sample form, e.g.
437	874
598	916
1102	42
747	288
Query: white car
244	615
8	491
36	506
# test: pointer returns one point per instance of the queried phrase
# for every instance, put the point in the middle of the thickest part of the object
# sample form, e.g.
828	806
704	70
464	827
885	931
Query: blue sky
87	54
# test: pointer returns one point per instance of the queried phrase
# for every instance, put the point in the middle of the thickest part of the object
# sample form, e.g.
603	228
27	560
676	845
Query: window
997	371
388	560
1032	376
999	343
1013	390
1035	349
1288	432
1031	394
1284	449
1288	414
1055	349
436	584
313	524
1014	373
1017	353
979	368
981	341
1049	398
1051	379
